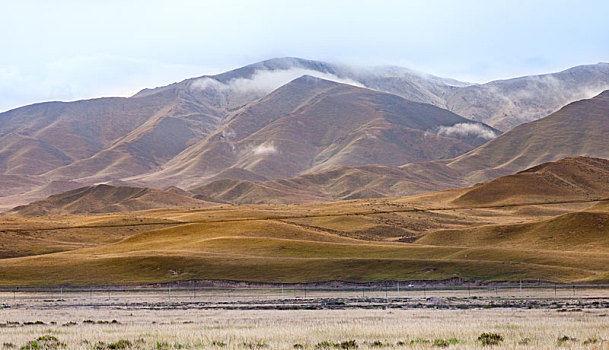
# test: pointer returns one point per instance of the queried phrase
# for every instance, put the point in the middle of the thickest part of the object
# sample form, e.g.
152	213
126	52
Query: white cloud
467	129
207	83
265	81
265	149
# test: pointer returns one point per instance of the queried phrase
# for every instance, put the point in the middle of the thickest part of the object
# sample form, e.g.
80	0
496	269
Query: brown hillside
312	124
579	178
579	129
505	104
341	183
580	231
107	199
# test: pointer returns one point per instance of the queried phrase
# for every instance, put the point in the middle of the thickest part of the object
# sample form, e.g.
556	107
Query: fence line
287	291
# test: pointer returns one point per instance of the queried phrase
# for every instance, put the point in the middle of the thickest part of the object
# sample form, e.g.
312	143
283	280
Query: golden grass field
424	237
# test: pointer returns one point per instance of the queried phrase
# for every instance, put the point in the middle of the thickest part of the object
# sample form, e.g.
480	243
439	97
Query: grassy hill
274	251
568	179
550	227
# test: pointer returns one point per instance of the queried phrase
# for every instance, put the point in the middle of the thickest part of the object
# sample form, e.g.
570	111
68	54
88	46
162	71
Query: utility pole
398	289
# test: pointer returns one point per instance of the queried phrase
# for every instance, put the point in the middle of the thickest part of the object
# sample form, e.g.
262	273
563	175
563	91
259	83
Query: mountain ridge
126	139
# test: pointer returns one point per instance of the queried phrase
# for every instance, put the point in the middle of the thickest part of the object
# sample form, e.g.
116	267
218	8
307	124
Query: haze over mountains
337	131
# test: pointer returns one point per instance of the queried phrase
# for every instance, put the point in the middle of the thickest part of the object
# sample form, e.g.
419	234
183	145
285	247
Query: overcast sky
66	50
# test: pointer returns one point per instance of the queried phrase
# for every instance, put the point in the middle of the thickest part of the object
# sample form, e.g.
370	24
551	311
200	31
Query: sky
68	50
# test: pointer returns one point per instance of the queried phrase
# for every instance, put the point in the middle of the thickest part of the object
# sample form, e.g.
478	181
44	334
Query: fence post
169	293
61	294
520	288
554	289
398	289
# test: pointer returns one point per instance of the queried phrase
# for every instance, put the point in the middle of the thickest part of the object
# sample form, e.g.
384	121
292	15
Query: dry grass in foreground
320	329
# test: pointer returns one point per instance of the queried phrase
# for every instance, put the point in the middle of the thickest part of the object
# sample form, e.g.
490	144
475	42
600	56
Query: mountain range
578	129
294	130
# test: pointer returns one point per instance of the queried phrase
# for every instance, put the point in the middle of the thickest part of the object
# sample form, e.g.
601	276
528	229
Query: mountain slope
238	125
107	199
340	183
578	129
505	104
312	124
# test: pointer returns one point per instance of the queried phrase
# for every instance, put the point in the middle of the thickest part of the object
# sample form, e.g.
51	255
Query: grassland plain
303	329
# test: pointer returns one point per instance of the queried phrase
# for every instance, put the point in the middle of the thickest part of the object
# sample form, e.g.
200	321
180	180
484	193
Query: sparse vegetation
260	344
590	340
118	345
45	342
346	344
441	342
490	339
565	339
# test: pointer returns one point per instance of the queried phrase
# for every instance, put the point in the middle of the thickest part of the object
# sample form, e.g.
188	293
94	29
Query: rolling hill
425	237
569	179
579	231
